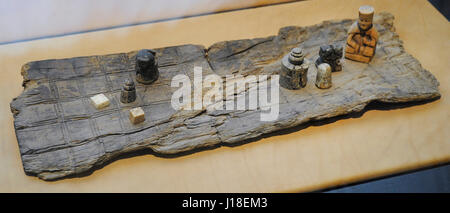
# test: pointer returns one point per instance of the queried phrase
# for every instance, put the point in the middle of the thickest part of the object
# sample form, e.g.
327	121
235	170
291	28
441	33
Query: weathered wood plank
60	133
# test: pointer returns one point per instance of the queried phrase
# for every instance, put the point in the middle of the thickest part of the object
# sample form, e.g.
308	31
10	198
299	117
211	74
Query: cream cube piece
100	101
137	115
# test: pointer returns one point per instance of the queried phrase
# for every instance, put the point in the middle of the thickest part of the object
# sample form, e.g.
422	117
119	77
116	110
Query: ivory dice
100	101
137	115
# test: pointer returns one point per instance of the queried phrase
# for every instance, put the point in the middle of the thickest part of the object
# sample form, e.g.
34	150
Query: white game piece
100	101
323	77
137	115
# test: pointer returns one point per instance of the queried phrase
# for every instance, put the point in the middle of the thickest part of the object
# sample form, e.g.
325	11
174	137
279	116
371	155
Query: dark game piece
128	94
146	67
330	54
294	70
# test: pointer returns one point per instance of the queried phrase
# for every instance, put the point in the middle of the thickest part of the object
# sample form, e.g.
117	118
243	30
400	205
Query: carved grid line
57	100
117	108
65	131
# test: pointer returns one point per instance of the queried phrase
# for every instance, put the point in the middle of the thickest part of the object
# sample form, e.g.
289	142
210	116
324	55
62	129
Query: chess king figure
362	37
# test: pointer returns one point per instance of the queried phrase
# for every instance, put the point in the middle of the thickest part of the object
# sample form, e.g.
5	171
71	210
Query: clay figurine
362	37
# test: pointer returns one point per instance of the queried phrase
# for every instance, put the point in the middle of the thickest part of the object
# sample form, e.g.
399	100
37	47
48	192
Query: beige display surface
380	142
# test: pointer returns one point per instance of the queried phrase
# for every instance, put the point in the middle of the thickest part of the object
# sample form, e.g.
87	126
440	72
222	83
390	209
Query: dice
100	101
137	115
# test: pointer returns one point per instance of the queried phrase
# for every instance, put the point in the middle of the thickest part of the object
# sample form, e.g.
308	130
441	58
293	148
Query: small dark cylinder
128	94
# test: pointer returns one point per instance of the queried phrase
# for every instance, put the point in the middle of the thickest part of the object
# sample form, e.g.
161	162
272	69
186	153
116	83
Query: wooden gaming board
60	133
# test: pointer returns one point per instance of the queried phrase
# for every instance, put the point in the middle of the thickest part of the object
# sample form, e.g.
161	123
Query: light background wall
31	19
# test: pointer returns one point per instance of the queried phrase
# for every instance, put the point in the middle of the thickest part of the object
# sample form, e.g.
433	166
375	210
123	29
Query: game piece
146	67
137	115
330	54
128	93
323	77
100	101
362	37
294	70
